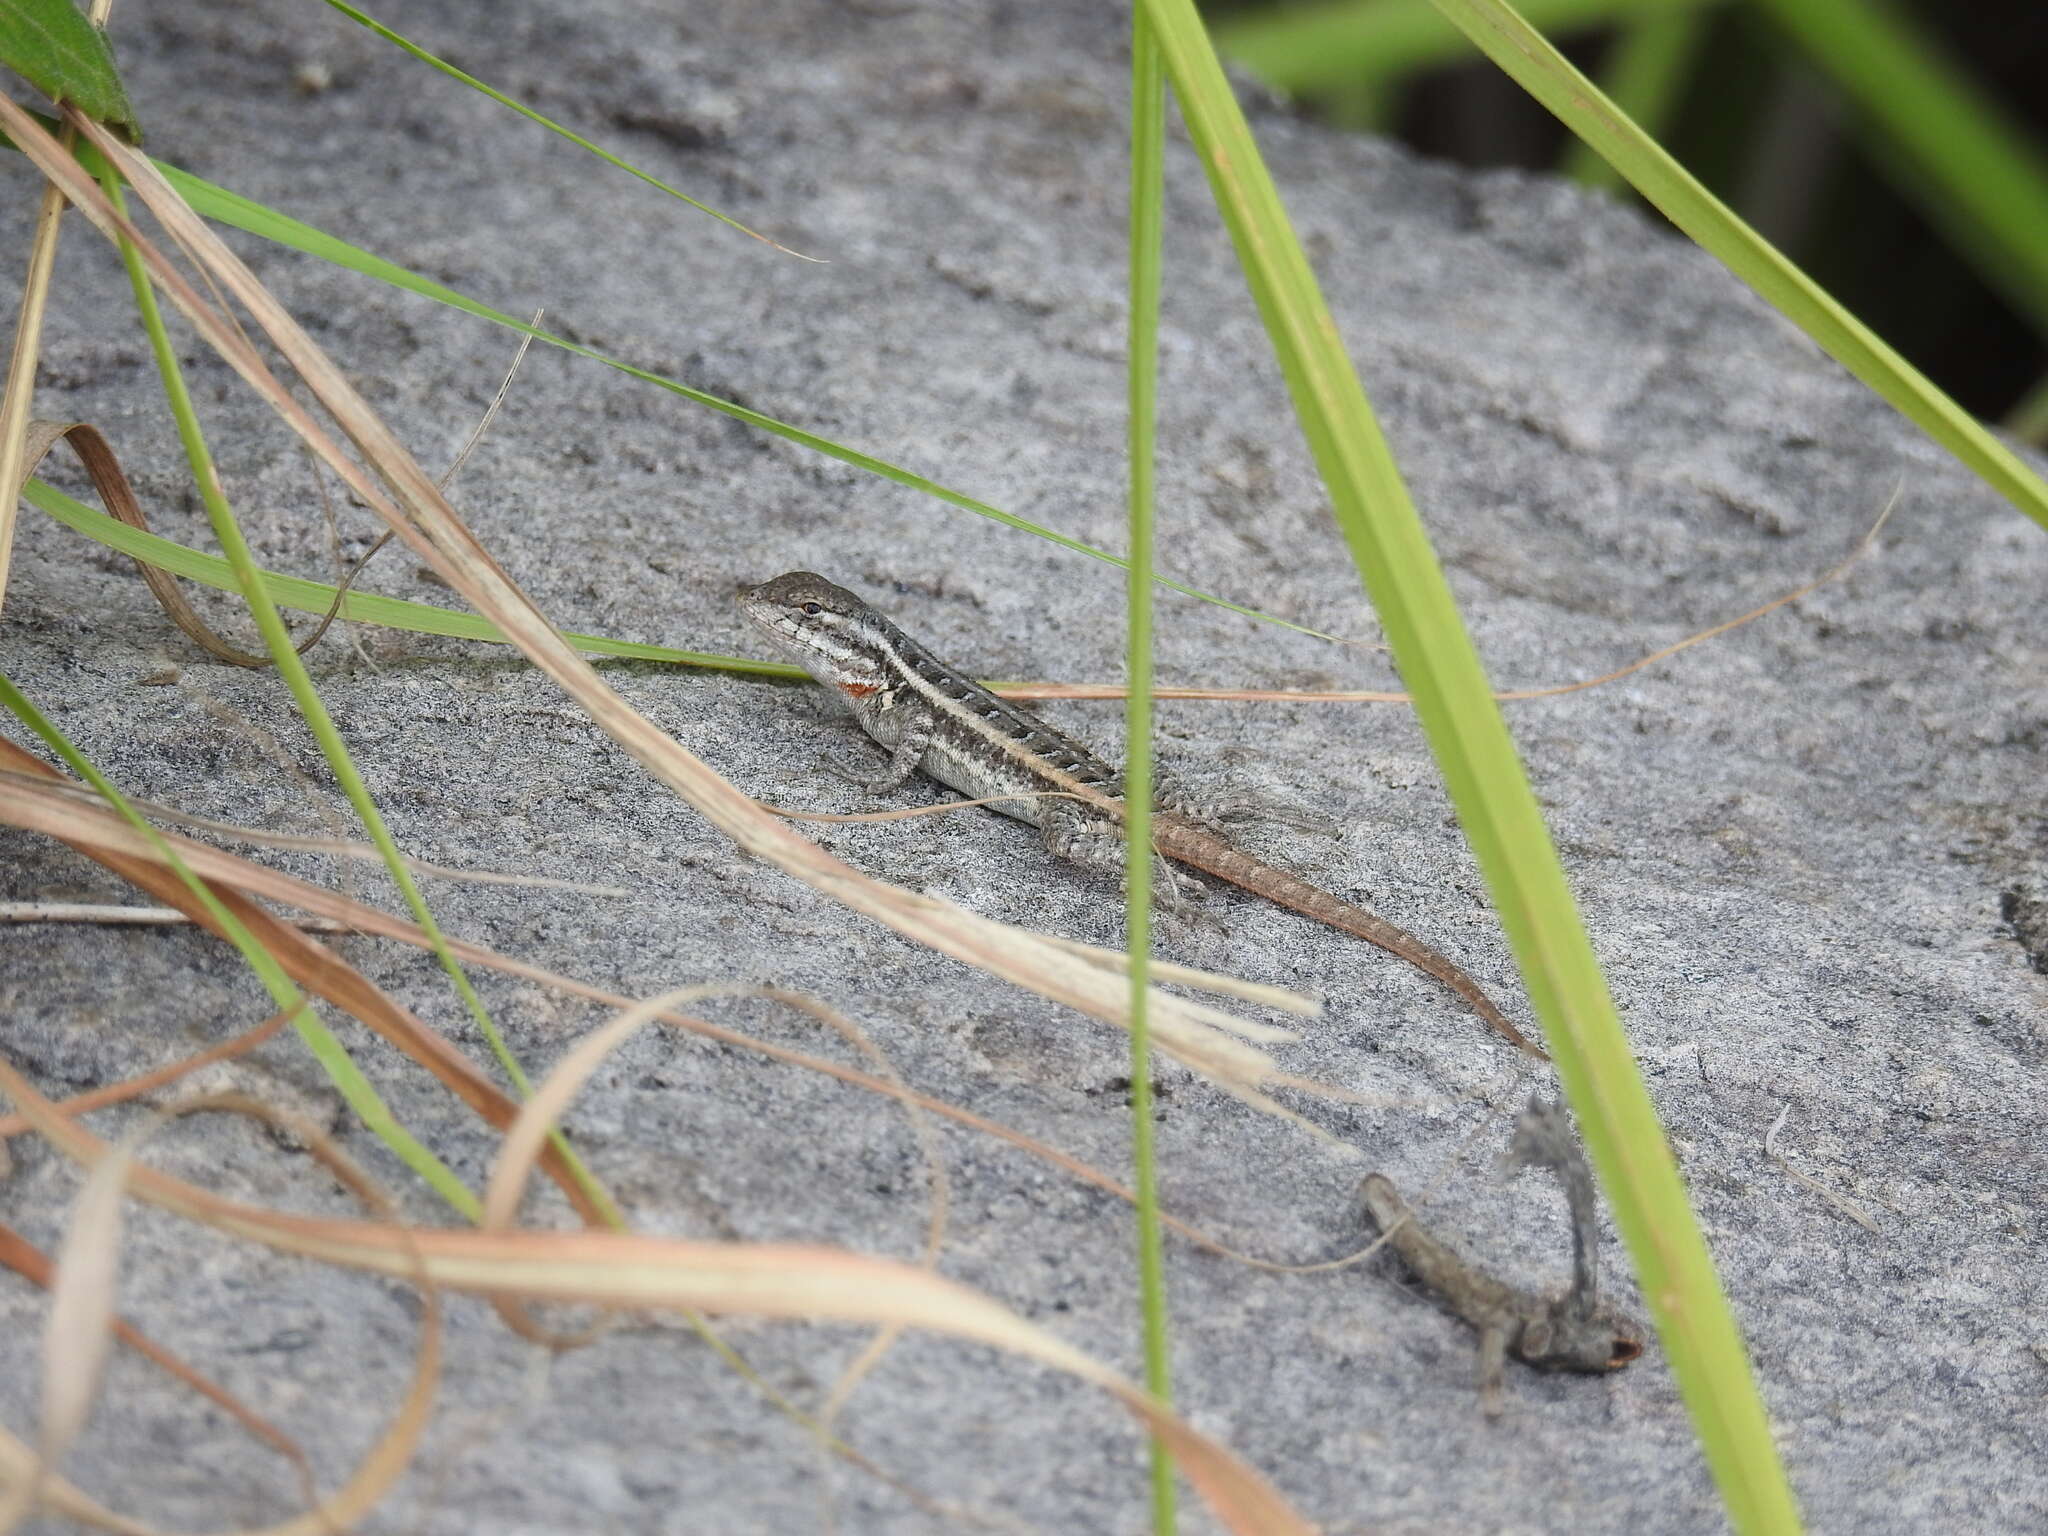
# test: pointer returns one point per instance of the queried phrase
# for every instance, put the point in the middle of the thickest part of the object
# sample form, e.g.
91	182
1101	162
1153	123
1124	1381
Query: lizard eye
811	608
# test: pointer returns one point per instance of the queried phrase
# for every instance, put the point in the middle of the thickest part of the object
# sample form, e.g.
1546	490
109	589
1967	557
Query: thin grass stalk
21	367
277	640
1487	786
406	45
330	1053
1148	193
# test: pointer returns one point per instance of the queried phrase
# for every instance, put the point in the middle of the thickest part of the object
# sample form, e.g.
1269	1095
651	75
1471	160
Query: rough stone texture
1810	853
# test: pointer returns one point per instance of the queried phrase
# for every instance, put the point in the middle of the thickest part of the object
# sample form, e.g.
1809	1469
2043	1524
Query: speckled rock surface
1810	853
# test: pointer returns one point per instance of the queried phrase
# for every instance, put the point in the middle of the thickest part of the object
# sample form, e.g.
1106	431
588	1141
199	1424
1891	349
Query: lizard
932	717
1572	1332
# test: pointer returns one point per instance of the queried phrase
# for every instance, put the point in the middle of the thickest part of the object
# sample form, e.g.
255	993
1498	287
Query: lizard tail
1201	849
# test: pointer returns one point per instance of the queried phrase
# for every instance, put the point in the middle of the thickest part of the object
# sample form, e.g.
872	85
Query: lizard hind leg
1097	843
1493	1362
1224	806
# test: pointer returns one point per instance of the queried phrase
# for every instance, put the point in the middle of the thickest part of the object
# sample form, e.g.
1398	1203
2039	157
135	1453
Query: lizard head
1565	1338
817	624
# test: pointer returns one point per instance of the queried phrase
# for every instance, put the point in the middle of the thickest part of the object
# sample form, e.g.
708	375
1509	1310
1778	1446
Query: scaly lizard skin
1572	1332
934	719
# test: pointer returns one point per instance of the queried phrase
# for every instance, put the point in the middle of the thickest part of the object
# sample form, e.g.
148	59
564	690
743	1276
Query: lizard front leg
904	758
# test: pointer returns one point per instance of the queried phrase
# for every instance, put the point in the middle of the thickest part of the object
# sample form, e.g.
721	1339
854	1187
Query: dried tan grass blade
33	1265
628	1270
101	835
422	518
307	961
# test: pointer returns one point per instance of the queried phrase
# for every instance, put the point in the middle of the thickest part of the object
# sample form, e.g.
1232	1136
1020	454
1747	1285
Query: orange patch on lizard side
860	690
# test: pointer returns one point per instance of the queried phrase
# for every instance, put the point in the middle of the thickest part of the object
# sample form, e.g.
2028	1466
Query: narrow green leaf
396	40
1309	48
1148	194
1487	786
50	44
1646	71
361	607
1943	143
1545	74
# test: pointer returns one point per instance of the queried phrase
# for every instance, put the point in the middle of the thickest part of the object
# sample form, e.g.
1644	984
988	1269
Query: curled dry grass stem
550	1102
134	1087
33	1265
408	500
1839	1201
97	457
79	1330
621	1269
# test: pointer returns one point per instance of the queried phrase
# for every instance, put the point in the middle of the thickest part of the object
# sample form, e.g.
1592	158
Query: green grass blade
51	45
329	1052
1520	49
291	668
1148	193
2028	418
363	19
1487	786
239	212
1646	73
1973	171
1370	42
360	607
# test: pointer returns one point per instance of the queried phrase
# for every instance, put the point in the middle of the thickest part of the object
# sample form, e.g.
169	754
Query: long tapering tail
1199	848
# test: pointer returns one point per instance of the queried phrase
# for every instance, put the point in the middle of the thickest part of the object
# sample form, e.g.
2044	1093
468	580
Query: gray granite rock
1809	853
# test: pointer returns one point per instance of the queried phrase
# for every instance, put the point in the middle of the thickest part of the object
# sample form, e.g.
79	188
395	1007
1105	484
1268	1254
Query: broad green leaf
50	44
